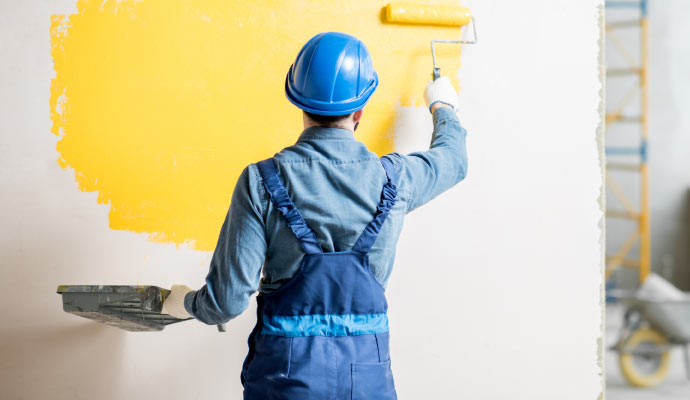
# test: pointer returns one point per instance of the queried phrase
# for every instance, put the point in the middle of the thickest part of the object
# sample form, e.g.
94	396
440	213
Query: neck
347	124
349	127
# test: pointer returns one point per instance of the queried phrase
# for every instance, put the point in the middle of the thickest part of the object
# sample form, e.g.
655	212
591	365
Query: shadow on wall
92	355
681	271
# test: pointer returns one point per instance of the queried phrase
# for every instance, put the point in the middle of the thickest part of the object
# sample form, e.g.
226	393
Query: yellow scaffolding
636	68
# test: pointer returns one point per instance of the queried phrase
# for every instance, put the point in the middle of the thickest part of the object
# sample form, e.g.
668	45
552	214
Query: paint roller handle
437	71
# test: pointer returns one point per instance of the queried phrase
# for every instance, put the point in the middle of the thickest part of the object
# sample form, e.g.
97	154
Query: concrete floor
676	387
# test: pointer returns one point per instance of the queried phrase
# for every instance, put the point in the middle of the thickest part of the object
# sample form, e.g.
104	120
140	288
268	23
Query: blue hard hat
332	75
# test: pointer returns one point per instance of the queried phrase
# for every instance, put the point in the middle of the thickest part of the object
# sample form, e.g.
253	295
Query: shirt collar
323	133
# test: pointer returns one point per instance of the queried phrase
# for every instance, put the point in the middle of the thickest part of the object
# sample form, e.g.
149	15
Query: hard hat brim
329	108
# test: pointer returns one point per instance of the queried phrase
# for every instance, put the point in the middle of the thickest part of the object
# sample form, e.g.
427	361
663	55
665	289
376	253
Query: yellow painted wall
160	104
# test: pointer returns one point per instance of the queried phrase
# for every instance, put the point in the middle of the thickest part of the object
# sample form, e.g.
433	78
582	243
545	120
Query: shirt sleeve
430	173
235	268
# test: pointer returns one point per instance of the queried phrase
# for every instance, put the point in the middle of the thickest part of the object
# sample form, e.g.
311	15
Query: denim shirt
335	182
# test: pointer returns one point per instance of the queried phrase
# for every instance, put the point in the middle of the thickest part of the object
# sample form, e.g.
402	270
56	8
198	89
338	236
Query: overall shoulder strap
388	197
281	201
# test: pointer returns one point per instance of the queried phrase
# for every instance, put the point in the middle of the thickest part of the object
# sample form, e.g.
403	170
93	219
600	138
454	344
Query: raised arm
430	173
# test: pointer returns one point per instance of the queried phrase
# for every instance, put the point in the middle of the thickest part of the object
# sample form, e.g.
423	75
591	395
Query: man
323	217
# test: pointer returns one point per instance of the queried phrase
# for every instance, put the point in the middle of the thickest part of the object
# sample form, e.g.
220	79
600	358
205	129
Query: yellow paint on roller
428	14
159	105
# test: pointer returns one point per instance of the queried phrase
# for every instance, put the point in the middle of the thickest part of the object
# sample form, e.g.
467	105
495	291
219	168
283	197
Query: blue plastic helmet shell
332	75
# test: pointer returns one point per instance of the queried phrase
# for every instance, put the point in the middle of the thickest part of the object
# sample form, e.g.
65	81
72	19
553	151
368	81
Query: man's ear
357	116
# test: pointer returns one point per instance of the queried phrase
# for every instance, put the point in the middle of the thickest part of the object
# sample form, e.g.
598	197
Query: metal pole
645	235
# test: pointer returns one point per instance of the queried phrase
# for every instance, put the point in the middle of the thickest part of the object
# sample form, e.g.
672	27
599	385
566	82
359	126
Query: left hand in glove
174	303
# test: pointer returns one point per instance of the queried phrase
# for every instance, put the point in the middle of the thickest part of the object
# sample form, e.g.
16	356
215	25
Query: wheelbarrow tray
130	307
670	317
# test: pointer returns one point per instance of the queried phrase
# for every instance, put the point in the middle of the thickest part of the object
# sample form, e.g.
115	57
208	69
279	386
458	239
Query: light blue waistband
325	325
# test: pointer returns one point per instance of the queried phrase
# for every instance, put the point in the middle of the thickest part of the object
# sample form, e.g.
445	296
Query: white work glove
441	90
174	303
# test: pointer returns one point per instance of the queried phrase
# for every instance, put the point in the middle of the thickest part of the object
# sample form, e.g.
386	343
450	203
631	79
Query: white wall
496	292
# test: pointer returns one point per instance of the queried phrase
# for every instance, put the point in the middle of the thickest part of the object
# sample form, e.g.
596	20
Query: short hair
326	120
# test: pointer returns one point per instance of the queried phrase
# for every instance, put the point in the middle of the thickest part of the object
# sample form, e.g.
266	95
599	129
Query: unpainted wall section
496	292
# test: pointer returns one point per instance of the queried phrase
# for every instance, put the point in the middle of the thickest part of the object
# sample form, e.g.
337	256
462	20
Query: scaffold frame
615	115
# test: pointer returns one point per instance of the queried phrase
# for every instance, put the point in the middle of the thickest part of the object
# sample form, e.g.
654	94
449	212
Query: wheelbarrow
651	328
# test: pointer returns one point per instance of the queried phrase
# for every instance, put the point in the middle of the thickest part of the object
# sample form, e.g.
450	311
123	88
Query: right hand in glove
441	90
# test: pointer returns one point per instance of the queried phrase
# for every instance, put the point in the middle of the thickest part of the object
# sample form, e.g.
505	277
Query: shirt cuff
188	301
442	113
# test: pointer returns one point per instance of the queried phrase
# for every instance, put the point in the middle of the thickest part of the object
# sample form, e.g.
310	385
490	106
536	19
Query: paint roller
444	15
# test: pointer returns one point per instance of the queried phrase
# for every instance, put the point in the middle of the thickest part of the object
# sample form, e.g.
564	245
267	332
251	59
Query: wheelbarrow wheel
644	359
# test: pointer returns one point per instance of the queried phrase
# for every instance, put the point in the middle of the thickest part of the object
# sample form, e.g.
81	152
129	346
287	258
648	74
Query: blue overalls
324	334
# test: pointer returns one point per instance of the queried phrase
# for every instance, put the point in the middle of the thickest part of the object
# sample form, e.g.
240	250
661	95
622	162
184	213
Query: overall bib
324	334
